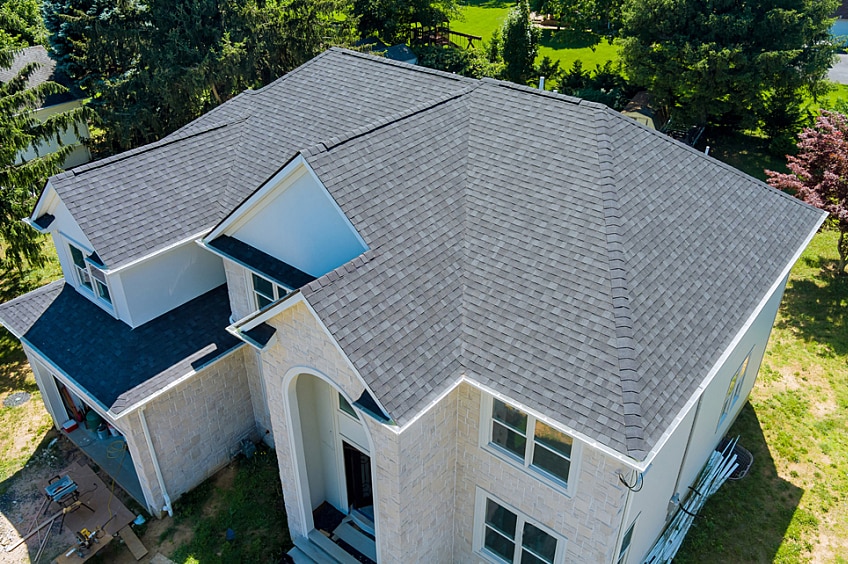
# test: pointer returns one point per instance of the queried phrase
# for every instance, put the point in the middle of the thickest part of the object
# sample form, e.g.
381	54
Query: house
52	105
478	322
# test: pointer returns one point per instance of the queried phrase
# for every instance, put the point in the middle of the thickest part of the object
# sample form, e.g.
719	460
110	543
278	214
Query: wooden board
102	540
131	540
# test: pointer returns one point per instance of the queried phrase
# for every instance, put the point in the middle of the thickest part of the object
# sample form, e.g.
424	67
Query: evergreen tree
21	180
520	44
20	24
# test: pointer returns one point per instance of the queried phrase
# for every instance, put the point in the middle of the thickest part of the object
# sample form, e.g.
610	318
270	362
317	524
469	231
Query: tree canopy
721	60
519	44
20	24
20	181
151	66
819	173
393	20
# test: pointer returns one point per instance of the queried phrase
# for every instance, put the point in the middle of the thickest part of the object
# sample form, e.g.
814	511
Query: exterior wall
241	293
195	428
160	284
300	224
68	136
589	519
705	435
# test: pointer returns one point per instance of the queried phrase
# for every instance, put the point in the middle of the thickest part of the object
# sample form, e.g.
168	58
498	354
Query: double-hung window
734	389
265	292
506	535
531	442
89	276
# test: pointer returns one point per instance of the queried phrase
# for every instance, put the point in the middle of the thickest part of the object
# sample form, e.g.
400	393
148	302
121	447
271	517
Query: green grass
793	507
252	507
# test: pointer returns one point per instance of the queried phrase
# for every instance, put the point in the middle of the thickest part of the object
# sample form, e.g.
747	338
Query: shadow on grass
500	4
742	151
818	312
13	367
569	39
746	520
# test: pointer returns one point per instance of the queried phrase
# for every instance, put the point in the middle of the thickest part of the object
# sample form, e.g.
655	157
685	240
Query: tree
520	44
393	20
720	60
20	181
151	66
819	173
20	24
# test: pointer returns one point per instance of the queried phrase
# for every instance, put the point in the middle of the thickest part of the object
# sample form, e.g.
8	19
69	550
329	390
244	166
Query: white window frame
276	289
89	277
479	535
734	389
568	487
340	406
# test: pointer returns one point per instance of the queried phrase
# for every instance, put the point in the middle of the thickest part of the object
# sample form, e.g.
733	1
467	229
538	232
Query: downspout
688	442
158	470
624	515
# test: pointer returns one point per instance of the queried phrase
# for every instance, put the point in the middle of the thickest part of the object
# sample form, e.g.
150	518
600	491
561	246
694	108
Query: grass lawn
793	507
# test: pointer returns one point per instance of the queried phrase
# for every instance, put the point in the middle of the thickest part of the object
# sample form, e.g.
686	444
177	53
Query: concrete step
357	539
331	549
307	552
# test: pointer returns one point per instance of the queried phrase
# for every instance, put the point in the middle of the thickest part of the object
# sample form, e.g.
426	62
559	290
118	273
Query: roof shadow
746	520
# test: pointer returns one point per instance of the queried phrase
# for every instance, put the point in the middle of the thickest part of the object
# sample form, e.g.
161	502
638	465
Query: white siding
300	224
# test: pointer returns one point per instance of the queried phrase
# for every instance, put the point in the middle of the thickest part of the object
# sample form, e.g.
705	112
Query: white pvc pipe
158	470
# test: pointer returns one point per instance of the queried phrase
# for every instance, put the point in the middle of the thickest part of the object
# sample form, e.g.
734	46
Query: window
505	535
531	442
265	291
90	277
625	544
733	390
345	406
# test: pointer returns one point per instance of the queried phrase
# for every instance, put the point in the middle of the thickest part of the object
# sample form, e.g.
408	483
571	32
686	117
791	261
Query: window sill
536	473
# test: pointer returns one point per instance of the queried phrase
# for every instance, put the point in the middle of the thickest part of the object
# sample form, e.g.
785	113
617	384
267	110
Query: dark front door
358	477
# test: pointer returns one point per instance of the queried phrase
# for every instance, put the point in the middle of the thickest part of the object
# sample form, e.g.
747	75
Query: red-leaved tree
820	173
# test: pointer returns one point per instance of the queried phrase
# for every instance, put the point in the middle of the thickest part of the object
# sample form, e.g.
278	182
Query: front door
357	477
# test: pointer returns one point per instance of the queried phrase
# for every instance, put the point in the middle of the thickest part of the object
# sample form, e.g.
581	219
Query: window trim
624	549
734	389
568	487
478	537
278	291
97	279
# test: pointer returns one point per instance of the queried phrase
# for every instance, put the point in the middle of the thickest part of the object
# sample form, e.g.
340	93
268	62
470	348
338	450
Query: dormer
286	234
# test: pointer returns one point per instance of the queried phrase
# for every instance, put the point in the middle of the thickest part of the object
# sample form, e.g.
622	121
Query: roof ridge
628	364
295	71
545	93
165	141
407	66
333	142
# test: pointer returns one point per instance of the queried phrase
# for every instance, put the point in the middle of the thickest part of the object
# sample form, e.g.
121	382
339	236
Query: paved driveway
839	71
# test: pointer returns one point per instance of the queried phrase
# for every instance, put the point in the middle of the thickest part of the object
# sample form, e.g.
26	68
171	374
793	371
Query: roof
46	71
547	247
550	249
146	199
280	272
117	365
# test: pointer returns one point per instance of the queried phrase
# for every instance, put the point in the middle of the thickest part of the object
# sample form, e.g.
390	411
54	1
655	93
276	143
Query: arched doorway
333	452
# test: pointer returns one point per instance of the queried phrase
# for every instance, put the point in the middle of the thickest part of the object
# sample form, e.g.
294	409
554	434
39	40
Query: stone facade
195	428
589	519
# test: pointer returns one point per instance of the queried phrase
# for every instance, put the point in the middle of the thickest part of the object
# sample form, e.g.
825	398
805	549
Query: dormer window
265	292
89	276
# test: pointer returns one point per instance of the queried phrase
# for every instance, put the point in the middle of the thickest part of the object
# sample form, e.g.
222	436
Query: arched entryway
333	461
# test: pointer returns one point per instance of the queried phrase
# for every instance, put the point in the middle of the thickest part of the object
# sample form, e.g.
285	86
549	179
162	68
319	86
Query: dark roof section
44	221
254	259
260	335
548	248
144	200
117	365
46	71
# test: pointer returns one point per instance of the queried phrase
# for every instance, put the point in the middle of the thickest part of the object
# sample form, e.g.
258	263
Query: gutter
156	467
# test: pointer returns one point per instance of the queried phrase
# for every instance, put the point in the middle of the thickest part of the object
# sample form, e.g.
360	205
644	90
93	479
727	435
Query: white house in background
467	314
50	106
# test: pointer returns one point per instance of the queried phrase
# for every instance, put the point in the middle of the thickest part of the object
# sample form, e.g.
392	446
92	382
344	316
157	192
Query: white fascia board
239	216
254	319
154	254
696	395
187	376
45	200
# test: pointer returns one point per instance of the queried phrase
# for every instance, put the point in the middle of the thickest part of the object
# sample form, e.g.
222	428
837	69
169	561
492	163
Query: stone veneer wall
195	428
589	521
413	481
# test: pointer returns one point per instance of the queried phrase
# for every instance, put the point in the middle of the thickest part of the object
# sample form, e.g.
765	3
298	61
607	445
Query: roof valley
620	293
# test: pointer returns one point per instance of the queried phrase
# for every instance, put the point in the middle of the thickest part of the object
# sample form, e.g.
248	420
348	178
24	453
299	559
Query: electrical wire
640	482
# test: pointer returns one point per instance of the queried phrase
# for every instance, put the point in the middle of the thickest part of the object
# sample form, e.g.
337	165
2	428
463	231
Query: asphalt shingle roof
146	199
45	71
550	249
117	365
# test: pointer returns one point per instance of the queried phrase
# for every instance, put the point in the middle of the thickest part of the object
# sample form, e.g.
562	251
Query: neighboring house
467	314
52	105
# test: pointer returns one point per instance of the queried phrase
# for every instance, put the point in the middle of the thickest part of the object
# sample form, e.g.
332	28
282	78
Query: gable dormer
286	234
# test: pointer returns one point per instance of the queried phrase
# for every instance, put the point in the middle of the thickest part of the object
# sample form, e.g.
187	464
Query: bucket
102	432
92	420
